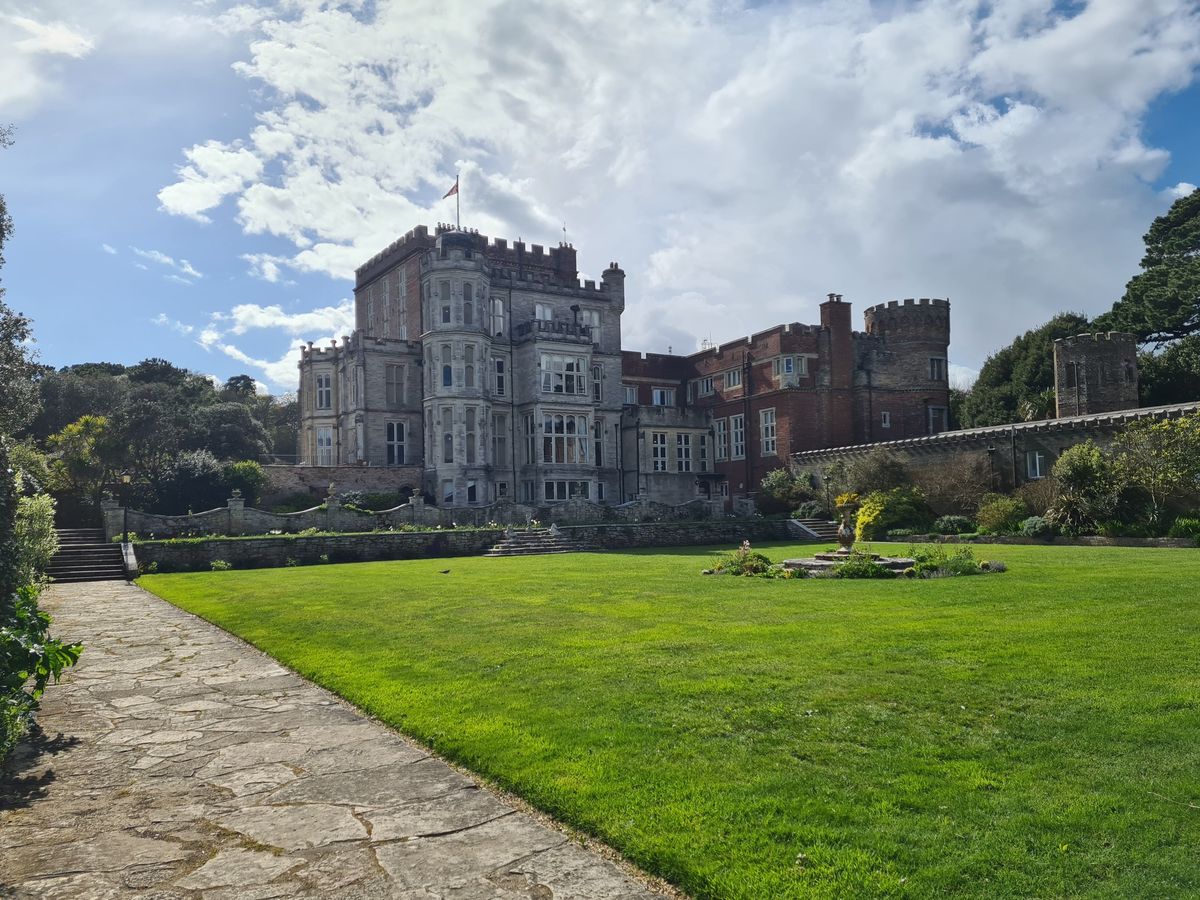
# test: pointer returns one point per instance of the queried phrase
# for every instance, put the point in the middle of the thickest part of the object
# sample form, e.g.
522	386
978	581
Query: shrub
903	532
1039	495
781	490
36	540
1185	528
952	525
248	477
879	470
812	509
220	565
881	511
742	561
1037	527
935	561
1001	515
860	565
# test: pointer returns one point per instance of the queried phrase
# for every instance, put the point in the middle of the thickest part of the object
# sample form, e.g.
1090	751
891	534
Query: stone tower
1095	373
904	370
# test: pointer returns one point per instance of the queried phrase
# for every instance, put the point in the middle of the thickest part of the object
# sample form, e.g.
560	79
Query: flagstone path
176	761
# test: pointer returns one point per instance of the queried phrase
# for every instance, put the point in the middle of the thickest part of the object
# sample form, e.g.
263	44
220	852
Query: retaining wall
269	552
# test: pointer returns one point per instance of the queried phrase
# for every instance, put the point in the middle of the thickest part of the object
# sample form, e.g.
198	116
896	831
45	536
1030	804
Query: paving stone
178	762
237	867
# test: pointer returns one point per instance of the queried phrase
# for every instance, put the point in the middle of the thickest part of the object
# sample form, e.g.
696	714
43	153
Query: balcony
553	330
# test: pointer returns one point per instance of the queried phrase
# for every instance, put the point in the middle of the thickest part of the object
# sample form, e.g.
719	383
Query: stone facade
498	375
1095	373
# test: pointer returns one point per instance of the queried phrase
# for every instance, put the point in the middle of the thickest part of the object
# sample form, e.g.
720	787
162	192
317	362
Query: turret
1095	373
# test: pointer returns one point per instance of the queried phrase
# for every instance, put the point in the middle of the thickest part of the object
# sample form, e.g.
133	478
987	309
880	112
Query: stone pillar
114	517
237	518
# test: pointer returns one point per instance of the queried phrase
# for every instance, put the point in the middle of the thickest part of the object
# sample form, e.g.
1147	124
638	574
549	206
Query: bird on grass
443	571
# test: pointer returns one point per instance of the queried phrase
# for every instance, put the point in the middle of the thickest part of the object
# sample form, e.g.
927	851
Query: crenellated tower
1095	373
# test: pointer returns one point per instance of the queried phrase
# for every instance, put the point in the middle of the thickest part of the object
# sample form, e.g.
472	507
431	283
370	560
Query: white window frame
658	451
630	392
705	386
885	419
683	452
393	377
325	445
499	386
721	439
564	374
393	441
543	312
767	433
597	384
1035	465
662	396
568	445
937	368
702	452
737	437
733	378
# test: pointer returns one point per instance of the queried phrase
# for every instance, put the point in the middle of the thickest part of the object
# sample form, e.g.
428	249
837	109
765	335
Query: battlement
908	302
922	318
1100	337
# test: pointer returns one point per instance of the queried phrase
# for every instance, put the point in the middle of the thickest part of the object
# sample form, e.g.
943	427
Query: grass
1026	734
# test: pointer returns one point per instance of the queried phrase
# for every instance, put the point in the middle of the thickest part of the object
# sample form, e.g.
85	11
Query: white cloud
108	248
1180	190
181	266
281	372
175	325
31	56
741	163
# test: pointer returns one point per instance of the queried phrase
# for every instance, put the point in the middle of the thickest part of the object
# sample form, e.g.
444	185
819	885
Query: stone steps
825	531
534	543
84	555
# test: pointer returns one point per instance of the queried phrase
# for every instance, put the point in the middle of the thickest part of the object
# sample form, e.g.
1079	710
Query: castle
482	371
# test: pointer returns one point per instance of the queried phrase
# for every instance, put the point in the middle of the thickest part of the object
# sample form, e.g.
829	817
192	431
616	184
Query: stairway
821	529
530	543
84	555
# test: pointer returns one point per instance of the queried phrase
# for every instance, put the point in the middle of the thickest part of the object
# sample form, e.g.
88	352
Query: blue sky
197	181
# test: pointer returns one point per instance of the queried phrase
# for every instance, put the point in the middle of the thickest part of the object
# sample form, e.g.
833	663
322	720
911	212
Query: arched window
469	354
448	447
447	371
468	304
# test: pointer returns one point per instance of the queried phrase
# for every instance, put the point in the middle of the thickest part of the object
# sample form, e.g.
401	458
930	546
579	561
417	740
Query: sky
198	180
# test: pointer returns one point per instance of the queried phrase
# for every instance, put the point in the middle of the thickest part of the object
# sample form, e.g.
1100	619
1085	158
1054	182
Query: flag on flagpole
452	191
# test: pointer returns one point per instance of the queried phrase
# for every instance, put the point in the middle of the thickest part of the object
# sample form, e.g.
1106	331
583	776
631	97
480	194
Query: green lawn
1029	734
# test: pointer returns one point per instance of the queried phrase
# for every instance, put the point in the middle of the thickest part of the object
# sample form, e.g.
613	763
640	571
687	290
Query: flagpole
457	206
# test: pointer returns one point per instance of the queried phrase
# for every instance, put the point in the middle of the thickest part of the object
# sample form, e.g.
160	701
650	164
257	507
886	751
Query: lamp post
126	478
991	452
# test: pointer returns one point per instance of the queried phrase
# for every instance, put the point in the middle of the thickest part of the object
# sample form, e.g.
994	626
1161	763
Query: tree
84	457
89	389
193	480
239	388
1014	381
1161	459
229	431
1171	375
1162	302
18	371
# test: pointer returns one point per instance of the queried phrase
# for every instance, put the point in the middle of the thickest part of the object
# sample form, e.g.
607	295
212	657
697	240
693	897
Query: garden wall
1082	541
237	518
268	552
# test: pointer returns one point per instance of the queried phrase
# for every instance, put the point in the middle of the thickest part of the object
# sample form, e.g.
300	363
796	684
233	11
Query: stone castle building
1095	373
480	371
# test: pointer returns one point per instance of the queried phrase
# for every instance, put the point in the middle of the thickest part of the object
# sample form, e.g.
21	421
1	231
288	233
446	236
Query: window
597	383
527	491
357	388
498	385
783	365
447	492
630	392
885	419
733	378
501	490
530	447
497	316
393	377
937	369
360	441
737	429
500	440
447	434
662	396
564	439
471	435
705	386
394	443
590	317
721	438
724	488
937	419
683	452
563	374
447	370
371	310
468	304
472	492
1035	464
325	446
600	491
444	298
543	312
387	309
469	369
1127	366
702	452
598	441
324	391
766	431
567	490
658	441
